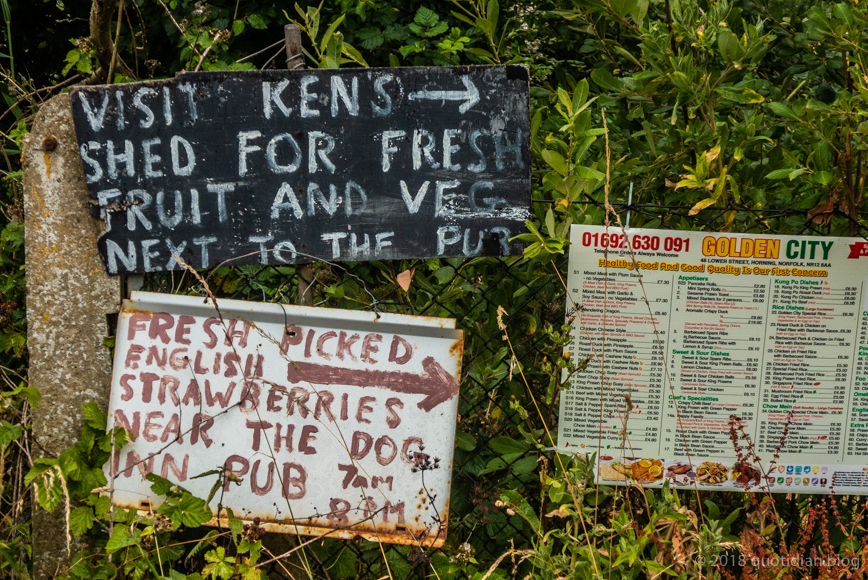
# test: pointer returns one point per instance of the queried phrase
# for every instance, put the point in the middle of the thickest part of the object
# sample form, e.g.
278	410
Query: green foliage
725	108
330	50
81	57
141	544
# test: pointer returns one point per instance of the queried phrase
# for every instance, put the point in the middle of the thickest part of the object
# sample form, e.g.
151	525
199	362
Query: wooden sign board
325	420
277	167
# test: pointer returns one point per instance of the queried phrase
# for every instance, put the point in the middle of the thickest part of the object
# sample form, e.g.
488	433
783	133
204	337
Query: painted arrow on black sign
469	96
435	382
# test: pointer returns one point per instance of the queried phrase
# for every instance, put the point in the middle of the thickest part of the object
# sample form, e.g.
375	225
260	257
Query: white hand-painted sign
327	420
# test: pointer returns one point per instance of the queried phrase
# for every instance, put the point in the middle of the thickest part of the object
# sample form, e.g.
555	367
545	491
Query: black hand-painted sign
280	167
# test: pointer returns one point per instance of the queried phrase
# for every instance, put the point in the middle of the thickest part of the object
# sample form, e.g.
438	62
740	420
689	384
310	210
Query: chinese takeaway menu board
762	336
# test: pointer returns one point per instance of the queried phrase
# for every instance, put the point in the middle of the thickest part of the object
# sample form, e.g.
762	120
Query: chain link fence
471	291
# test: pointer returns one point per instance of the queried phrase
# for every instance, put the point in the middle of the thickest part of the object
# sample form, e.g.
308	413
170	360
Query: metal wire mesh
471	290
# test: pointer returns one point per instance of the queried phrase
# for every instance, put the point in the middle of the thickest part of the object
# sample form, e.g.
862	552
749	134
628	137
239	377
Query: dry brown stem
101	12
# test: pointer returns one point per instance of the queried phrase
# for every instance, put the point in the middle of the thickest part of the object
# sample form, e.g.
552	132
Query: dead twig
207	50
318	538
180	28
117	41
258	52
100	33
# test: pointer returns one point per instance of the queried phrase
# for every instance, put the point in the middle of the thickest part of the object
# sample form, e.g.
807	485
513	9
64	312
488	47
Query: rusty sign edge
152	301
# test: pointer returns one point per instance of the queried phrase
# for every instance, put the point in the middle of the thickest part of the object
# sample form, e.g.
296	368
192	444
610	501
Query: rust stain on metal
405	537
49	143
390	533
130	311
457	348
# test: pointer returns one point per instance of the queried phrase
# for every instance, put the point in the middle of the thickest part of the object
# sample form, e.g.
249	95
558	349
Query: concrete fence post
70	303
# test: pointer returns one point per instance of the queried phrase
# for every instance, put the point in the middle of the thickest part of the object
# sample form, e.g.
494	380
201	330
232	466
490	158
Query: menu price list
724	334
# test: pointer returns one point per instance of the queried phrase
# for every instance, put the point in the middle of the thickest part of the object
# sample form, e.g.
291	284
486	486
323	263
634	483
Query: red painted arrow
435	382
